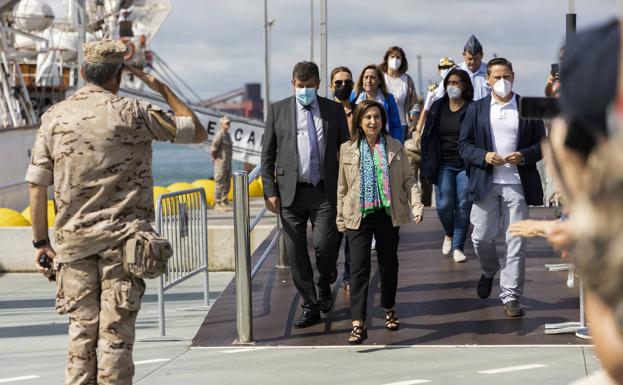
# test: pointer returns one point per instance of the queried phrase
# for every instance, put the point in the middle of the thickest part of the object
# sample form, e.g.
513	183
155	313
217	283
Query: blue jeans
453	203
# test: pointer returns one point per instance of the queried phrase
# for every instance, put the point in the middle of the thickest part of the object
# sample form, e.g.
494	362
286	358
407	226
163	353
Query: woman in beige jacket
376	194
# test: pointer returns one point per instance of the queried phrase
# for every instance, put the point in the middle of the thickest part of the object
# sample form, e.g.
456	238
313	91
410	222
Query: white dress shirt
504	131
302	139
479	80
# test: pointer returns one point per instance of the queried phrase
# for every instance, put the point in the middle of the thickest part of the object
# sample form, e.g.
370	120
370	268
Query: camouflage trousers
102	302
222	182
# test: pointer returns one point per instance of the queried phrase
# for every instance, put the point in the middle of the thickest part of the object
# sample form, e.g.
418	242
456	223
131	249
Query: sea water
182	163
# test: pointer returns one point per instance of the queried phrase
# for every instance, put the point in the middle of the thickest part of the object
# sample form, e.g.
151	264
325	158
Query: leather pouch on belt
146	255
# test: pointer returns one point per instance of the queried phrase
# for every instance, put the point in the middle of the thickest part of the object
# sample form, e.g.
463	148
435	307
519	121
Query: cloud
218	46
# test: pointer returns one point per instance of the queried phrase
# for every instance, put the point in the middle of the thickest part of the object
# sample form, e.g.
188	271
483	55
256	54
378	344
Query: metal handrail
244	273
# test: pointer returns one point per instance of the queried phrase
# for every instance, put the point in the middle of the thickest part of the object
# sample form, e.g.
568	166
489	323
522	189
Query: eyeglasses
339	83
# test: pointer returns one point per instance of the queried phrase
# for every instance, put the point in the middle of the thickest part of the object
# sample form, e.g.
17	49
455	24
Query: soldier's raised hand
150	80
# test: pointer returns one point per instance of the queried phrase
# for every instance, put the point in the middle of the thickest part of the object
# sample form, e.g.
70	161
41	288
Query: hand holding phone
46	263
555	70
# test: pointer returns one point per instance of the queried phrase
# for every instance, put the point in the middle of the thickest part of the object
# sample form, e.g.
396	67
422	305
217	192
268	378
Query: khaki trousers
102	302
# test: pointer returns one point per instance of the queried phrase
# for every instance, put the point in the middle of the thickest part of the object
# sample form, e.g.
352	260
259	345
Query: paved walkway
436	302
33	342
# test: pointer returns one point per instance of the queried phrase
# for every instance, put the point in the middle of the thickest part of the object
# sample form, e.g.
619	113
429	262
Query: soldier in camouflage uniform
95	148
221	154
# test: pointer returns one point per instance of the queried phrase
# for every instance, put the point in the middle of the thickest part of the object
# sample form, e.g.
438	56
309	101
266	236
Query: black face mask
343	92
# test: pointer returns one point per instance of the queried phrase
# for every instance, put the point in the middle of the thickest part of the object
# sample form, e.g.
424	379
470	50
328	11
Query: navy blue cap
473	46
588	81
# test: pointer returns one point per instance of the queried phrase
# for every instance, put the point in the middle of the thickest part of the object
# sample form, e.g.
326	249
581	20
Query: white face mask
394	63
502	88
454	92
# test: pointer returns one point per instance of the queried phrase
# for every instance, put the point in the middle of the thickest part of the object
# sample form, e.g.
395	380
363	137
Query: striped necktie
314	148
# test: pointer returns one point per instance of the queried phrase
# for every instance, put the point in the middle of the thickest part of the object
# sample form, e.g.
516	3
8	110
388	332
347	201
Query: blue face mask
305	96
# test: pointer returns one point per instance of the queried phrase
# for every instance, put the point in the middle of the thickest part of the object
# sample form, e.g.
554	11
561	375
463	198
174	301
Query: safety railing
242	234
182	218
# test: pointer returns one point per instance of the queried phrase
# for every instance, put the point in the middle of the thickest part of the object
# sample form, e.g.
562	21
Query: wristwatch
40	243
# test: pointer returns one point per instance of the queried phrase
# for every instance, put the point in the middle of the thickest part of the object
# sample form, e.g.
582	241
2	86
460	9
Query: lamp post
323	48
270	47
311	30
571	20
266	61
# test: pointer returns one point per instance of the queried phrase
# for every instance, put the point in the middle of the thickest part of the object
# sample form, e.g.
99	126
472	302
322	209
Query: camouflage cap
104	51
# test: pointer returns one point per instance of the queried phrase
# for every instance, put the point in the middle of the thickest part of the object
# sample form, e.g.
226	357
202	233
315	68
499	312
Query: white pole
311	31
81	14
266	62
323	48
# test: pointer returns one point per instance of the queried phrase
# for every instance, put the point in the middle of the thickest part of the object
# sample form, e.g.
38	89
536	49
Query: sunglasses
339	83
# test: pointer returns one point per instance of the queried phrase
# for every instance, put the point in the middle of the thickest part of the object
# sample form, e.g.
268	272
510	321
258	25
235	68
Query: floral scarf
374	191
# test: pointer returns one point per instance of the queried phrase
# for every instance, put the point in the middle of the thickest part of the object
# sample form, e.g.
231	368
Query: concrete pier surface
33	338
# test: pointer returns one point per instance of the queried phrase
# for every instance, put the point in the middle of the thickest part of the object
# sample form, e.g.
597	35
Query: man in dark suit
299	174
501	150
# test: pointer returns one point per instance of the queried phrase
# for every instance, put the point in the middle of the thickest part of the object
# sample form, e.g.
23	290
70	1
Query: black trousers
310	203
346	276
387	236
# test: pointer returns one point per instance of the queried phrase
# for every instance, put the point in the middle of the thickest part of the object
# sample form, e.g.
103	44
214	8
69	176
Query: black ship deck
436	301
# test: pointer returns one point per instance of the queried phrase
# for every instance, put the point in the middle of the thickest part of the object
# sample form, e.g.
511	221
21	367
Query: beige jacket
404	190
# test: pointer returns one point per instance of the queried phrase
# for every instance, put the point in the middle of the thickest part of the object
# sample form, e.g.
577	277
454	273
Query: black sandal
358	335
391	321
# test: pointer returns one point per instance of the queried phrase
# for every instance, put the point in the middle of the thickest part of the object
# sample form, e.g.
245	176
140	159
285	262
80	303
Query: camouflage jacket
222	145
95	148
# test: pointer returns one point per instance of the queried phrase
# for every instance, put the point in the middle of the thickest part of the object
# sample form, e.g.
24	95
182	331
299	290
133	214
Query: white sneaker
446	249
458	256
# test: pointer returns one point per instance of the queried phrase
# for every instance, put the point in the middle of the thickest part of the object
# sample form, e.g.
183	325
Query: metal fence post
161	325
244	308
284	262
204	248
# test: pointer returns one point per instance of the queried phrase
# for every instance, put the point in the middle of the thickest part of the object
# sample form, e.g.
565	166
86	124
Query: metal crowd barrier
182	218
244	273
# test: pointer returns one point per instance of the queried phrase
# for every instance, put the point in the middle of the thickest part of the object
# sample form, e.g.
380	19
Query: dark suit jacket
475	141
280	151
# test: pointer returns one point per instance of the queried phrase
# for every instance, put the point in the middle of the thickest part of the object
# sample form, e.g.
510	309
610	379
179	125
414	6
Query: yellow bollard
208	187
51	213
10	217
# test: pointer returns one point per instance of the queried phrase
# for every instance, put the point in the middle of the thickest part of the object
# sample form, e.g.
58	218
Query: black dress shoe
326	304
309	317
513	309
333	276
484	287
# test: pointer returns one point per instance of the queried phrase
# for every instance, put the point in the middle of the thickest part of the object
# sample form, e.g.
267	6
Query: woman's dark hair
404	65
360	110
379	74
468	89
338	70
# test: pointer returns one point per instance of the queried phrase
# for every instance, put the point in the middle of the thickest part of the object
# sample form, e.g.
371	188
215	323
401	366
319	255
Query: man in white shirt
476	69
501	151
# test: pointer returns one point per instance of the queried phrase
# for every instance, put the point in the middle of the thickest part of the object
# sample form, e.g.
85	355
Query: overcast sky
218	45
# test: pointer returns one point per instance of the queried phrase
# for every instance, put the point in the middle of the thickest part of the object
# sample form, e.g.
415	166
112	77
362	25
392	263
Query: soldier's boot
219	207
225	207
